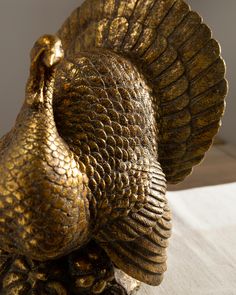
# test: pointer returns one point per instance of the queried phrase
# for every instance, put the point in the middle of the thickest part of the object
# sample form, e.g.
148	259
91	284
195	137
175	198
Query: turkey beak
53	55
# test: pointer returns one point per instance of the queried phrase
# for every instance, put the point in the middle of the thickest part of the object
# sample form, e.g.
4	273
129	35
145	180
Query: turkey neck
39	89
39	99
43	188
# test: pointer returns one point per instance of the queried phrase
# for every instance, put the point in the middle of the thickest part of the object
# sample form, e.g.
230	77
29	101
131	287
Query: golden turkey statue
124	99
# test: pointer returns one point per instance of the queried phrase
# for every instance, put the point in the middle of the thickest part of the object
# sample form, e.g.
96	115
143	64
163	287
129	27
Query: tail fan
181	61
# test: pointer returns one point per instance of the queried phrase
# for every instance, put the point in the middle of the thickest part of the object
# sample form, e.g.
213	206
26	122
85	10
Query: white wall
23	21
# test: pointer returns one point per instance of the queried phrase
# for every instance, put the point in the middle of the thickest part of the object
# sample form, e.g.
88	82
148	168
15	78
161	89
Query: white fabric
202	252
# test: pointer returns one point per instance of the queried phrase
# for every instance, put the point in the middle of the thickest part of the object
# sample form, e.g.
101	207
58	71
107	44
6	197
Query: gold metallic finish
124	99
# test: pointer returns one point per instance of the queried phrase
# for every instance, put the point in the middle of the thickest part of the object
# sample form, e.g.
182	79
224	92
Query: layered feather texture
135	102
182	62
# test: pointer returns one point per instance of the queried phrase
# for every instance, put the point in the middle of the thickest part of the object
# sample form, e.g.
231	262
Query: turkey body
113	132
132	104
90	166
113	129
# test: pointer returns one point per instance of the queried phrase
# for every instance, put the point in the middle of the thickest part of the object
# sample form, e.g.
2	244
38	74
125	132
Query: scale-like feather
137	243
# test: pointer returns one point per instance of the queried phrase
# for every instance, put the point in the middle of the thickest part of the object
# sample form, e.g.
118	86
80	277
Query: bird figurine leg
20	275
87	271
92	272
90	269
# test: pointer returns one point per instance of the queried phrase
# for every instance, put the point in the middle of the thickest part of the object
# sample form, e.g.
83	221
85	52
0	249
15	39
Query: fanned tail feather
182	62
